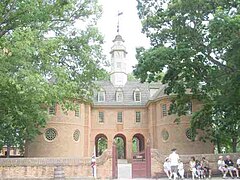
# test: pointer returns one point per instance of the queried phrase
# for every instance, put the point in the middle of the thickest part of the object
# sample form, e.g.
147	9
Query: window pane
101	96
77	111
101	117
164	110
138	116
137	96
119	96
119	117
52	110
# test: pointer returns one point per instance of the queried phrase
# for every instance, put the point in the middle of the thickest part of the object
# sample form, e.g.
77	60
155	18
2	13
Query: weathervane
119	14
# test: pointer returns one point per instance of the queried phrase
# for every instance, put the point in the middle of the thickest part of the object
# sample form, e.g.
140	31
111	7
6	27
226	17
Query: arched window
137	95
119	95
101	95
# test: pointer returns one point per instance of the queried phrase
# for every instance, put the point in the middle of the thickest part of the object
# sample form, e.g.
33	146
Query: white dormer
119	95
137	95
118	53
101	95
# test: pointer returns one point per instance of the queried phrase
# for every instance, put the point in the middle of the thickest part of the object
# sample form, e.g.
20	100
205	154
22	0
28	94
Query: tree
102	145
50	52
197	42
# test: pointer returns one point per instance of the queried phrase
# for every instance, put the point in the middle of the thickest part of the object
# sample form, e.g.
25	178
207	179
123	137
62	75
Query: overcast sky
130	27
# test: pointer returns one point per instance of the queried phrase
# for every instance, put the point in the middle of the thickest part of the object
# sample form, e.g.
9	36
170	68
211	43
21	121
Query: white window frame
119	95
101	119
77	110
101	95
164	110
138	116
136	92
118	117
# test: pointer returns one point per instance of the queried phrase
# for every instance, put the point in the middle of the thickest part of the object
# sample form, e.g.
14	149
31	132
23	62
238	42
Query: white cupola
118	75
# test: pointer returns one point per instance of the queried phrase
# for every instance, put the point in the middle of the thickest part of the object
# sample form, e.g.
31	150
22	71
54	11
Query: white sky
130	27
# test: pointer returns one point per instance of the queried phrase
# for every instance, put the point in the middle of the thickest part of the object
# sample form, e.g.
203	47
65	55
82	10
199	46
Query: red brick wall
44	167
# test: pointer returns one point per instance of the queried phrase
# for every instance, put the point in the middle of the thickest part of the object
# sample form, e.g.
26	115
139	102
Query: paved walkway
214	178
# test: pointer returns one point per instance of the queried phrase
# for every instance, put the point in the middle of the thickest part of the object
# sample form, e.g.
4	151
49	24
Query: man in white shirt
174	158
238	163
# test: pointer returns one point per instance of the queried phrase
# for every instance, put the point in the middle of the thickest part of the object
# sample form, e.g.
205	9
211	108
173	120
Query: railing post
148	159
114	161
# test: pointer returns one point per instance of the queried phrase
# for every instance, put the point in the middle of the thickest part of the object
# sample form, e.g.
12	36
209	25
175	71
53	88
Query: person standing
174	158
93	166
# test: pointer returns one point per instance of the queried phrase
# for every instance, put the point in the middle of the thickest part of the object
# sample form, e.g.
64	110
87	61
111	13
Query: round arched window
76	135
190	134
165	135
50	134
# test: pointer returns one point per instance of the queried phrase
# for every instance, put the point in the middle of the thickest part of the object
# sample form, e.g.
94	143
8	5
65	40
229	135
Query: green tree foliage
120	147
102	145
50	52
198	43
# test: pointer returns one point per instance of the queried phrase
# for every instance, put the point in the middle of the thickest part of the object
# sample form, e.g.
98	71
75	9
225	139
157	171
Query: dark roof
160	92
128	93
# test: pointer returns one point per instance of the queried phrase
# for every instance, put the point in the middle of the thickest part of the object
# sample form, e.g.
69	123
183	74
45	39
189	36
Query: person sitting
206	167
180	169
238	163
192	165
222	166
199	169
167	167
230	166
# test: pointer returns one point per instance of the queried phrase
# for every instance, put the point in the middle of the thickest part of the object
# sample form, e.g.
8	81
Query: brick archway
138	140
120	141
100	144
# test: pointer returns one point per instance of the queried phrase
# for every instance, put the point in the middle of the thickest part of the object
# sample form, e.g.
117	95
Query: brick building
127	111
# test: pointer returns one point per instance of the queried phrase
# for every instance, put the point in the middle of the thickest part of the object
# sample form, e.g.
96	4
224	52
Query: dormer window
119	95
101	95
137	95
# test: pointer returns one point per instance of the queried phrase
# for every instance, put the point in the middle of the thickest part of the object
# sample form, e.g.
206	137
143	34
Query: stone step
125	171
122	161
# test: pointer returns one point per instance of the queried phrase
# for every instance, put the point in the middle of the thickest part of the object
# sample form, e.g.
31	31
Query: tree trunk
234	144
218	146
8	150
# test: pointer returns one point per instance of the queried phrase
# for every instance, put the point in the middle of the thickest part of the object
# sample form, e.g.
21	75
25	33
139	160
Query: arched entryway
120	140
138	144
100	144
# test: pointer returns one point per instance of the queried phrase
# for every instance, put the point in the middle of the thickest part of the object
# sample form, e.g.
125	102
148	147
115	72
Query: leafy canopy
50	52
197	42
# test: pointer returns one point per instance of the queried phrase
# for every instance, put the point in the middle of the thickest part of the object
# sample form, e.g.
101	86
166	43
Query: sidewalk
213	178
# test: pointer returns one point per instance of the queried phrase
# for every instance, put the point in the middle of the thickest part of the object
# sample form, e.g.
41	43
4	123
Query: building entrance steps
124	169
122	161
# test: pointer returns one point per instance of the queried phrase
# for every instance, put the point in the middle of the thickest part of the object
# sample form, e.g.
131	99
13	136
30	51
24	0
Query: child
167	167
192	165
200	170
181	169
